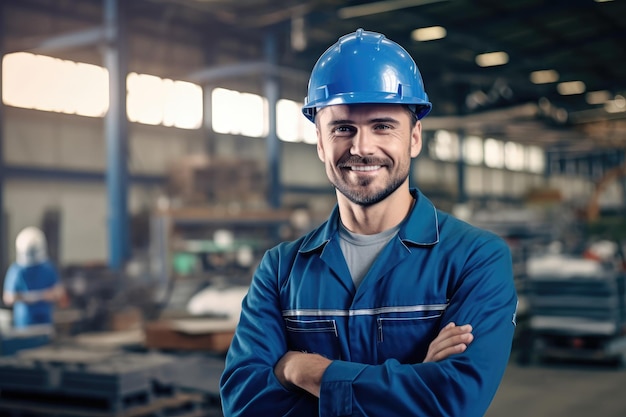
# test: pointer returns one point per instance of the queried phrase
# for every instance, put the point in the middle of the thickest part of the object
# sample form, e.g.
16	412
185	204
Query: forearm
249	387
52	294
459	386
465	369
305	370
302	370
28	297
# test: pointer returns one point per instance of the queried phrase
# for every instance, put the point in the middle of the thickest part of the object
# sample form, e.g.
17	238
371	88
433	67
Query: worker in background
31	284
391	307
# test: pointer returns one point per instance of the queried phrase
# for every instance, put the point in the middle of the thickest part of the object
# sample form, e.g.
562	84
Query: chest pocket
313	335
406	337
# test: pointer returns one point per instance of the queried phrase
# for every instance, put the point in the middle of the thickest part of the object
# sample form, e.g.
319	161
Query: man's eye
382	127
343	129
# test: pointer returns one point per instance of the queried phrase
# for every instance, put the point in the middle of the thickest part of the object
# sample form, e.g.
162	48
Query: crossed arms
305	370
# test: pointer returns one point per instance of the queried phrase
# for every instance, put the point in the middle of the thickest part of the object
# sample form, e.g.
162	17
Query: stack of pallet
197	180
72	382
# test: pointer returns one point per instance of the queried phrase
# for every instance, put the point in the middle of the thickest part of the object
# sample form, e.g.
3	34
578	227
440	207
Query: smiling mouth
365	168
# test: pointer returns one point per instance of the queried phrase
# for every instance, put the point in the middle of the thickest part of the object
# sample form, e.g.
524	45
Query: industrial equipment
576	310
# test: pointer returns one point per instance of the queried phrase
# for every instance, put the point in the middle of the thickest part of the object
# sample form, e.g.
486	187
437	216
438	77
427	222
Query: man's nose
362	144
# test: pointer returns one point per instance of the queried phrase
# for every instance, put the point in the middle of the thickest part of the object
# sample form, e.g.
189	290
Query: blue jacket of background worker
31	284
437	270
29	279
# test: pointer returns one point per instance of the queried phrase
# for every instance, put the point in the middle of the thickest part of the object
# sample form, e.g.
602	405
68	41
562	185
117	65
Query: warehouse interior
160	147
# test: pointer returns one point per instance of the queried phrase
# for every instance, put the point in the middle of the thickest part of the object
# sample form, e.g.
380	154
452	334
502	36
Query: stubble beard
361	194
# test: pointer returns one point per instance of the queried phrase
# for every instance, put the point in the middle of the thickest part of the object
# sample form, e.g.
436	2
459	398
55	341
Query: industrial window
535	159
291	125
444	146
50	84
161	101
473	150
236	113
514	156
494	153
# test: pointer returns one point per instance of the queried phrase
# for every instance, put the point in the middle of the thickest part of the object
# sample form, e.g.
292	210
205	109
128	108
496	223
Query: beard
360	192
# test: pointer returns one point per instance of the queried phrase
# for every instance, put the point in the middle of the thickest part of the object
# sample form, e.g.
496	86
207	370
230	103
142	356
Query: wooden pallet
178	405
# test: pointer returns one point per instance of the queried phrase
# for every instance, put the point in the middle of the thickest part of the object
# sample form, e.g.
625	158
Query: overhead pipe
73	175
87	37
528	111
267	69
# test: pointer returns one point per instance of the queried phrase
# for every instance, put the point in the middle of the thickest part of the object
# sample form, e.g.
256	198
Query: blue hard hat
365	67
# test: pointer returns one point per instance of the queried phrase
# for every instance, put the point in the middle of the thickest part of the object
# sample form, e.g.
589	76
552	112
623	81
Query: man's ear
320	146
416	139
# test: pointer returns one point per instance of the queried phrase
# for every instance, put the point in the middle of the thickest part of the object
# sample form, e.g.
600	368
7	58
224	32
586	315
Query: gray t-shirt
360	251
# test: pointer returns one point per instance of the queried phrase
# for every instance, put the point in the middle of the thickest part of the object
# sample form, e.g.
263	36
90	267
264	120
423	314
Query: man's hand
301	370
53	294
451	340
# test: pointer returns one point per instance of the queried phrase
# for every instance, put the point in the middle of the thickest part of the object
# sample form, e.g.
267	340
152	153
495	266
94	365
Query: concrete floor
561	390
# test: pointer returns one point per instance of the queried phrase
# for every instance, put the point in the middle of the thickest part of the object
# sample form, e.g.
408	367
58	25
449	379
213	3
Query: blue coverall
437	270
22	279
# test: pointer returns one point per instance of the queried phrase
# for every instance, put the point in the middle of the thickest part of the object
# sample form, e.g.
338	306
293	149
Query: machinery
576	310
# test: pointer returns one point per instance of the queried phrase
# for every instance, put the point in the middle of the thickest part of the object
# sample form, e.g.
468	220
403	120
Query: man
31	284
391	307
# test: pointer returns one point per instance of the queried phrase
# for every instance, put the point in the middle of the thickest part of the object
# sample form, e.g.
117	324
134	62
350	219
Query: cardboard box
208	334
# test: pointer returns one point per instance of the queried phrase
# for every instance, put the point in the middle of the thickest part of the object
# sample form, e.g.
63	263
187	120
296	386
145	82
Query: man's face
367	149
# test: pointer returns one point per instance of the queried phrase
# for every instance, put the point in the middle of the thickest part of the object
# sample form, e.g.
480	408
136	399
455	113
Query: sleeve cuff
336	390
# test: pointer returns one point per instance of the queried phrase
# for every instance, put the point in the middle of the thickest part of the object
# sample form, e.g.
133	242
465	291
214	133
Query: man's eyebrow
375	120
384	120
340	122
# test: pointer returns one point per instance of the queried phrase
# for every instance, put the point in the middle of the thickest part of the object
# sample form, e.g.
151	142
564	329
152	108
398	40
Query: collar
421	228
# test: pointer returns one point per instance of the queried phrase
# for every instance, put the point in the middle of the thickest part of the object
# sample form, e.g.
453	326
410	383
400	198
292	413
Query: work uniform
27	279
436	270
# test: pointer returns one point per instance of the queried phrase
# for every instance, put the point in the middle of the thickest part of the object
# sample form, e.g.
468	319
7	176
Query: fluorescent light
428	34
491	59
602	1
598	97
544	76
571	87
617	105
380	7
